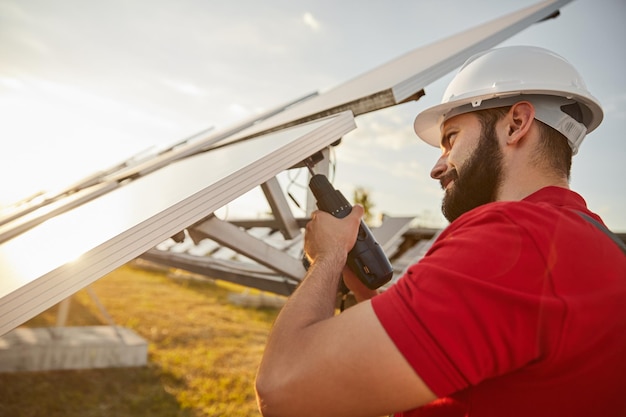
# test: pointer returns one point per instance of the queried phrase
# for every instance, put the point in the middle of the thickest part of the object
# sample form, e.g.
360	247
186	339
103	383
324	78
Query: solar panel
53	260
45	206
404	78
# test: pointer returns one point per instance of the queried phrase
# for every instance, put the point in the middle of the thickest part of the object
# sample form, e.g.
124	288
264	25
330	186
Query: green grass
203	353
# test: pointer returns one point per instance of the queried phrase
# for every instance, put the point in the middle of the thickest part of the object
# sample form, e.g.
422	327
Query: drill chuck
366	259
328	199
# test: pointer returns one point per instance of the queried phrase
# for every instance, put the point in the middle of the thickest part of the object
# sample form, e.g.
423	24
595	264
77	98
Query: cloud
310	21
184	87
615	107
11	83
390	129
411	170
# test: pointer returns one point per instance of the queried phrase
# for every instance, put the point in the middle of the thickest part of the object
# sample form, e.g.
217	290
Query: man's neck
520	187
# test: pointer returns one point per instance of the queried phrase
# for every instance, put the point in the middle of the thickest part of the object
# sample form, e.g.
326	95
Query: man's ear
519	121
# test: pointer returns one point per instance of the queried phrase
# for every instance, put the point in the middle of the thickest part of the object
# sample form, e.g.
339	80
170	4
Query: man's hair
553	152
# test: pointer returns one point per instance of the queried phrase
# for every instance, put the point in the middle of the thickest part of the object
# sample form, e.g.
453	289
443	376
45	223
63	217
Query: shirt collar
558	196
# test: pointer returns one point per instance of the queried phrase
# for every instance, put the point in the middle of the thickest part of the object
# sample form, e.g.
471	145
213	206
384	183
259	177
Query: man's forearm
286	350
313	301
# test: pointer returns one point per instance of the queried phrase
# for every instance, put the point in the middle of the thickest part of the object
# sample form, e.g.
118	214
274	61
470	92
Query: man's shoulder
506	212
544	218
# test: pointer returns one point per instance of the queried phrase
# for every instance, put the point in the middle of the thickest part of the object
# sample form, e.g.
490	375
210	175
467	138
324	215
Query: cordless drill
366	259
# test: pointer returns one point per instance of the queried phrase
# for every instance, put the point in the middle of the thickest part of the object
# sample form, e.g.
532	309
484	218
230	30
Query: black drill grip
366	259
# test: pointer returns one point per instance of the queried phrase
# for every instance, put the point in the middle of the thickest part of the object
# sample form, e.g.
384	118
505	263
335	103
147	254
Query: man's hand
361	291
328	236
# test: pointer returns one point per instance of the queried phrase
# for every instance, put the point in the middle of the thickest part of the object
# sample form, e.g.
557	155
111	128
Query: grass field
203	353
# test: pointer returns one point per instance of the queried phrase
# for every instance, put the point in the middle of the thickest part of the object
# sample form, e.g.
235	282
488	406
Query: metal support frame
242	242
280	208
252	276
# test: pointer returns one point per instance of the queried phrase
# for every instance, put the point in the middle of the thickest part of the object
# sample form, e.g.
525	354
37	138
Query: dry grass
203	354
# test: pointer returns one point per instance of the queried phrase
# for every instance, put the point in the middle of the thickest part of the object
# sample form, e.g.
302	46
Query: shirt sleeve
472	308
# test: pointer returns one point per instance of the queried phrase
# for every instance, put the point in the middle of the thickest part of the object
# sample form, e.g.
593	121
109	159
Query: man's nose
440	167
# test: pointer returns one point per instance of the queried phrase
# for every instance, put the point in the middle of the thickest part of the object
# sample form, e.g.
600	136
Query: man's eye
449	138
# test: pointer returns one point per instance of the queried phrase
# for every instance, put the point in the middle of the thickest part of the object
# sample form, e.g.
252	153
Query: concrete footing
246	299
57	348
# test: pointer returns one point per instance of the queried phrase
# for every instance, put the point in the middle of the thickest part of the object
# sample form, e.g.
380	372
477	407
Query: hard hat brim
427	124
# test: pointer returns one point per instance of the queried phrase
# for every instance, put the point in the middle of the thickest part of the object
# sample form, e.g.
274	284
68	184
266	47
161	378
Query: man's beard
479	182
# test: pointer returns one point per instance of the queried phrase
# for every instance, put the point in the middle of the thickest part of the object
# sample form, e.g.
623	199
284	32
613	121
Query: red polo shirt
518	309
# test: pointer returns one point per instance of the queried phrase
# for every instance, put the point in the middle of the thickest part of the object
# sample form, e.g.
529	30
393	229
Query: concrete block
260	300
56	348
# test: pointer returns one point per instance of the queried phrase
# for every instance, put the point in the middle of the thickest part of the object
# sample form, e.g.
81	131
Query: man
518	308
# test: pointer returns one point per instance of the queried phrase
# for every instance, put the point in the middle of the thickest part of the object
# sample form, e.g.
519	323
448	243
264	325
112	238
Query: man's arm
317	363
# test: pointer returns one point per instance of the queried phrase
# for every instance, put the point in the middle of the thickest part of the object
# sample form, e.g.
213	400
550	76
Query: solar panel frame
403	79
33	279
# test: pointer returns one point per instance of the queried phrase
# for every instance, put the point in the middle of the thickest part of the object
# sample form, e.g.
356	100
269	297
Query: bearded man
517	309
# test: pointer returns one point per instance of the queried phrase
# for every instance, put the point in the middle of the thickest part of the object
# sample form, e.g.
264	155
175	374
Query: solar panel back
55	259
403	78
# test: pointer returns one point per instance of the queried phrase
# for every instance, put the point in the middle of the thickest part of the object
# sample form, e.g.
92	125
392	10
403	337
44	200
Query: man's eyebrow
448	126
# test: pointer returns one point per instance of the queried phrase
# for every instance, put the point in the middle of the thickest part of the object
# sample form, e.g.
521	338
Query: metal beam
239	240
275	196
253	276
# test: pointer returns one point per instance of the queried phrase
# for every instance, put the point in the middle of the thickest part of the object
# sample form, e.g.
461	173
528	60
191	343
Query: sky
87	84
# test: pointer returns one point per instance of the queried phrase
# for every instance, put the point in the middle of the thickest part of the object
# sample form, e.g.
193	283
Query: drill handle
366	259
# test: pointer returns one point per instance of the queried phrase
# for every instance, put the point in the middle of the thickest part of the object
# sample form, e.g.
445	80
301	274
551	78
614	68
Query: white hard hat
503	76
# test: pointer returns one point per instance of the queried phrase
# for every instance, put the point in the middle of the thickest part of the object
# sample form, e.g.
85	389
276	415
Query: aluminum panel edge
461	46
404	77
